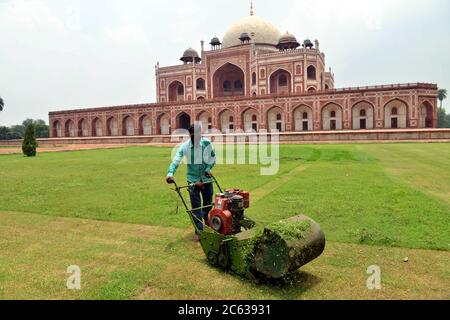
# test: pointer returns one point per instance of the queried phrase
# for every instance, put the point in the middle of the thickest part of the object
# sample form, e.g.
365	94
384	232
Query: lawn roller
234	242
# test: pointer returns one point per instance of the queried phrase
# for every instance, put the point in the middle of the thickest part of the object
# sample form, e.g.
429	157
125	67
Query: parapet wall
362	136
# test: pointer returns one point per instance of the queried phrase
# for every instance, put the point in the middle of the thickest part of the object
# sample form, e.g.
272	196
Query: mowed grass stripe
435	154
356	201
126	185
267	189
406	164
123	261
346	189
303	157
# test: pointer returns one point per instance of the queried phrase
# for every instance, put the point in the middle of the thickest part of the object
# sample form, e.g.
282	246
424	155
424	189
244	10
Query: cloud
51	59
326	15
61	54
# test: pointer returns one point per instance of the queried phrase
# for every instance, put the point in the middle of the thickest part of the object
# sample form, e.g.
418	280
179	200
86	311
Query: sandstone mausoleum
256	78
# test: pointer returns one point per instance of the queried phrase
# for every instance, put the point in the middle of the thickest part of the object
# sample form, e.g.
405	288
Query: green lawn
376	203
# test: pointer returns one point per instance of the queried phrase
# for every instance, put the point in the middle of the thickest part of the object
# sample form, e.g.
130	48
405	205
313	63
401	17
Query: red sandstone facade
257	79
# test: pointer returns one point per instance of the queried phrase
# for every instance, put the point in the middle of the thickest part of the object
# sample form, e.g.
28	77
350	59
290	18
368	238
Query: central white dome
261	31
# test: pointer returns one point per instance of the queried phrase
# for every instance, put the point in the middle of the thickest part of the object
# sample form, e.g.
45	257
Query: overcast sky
65	54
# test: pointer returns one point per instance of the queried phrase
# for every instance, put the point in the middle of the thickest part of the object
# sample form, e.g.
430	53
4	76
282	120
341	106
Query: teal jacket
197	164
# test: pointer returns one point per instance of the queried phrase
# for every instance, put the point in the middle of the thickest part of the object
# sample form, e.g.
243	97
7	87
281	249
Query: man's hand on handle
170	180
199	185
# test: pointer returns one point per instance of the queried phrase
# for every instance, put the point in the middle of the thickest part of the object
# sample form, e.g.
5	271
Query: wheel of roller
213	259
271	258
224	260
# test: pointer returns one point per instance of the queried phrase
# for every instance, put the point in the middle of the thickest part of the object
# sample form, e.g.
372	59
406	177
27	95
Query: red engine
228	213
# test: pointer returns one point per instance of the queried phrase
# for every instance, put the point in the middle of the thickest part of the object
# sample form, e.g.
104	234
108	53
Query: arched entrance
363	116
311	73
276	120
229	80
128	126
280	82
206	121
426	116
176	91
164	124
57	129
251	120
97	130
200	84
227	123
70	129
332	117
303	118
183	121
112	126
83	129
145	125
396	113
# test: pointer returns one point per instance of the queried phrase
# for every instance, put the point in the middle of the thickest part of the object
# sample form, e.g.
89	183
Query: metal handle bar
214	180
191	211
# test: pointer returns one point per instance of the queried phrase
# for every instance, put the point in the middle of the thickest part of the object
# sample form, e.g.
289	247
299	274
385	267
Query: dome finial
251	8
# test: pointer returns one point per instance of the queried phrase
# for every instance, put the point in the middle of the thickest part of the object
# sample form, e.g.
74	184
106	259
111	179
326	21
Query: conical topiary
29	144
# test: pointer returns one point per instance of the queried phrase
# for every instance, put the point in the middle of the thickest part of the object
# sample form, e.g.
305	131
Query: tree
442	118
442	95
2	104
42	131
26	122
4	133
447	121
30	144
17	131
8	134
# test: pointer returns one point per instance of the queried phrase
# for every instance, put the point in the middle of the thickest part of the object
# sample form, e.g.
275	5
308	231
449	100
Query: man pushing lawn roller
201	159
229	239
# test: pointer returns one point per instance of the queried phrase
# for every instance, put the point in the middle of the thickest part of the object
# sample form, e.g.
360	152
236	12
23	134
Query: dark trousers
196	195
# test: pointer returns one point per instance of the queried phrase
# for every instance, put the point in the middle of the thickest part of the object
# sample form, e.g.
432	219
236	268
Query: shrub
29	144
375	238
